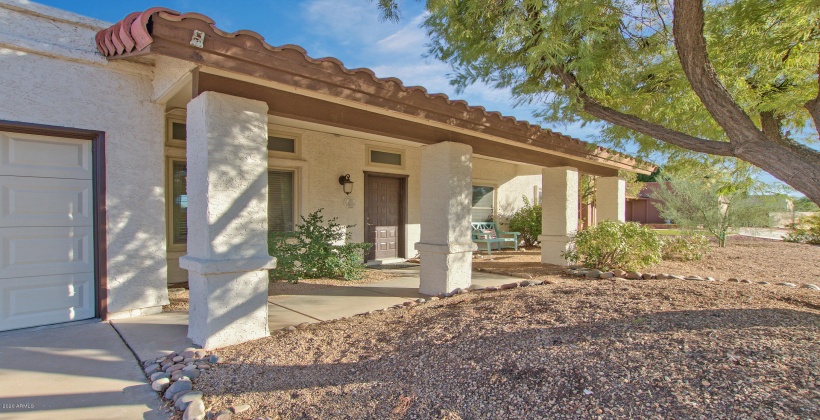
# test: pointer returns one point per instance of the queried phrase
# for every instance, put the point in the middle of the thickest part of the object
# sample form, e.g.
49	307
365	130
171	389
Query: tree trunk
792	163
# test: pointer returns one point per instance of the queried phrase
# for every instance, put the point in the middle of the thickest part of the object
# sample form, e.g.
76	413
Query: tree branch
771	123
813	106
687	27
632	122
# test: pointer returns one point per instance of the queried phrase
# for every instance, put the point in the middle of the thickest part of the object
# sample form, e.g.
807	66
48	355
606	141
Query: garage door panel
28	201
32	301
43	156
39	251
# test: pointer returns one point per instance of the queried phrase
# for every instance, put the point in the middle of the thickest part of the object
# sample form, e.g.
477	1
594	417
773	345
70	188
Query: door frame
401	252
97	139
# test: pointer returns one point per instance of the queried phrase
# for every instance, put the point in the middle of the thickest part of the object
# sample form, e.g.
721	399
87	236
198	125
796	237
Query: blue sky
349	30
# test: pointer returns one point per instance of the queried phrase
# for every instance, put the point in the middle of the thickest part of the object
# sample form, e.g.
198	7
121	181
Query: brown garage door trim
97	139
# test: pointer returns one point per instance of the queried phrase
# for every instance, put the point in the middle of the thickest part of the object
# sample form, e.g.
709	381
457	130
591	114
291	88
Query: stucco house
160	149
643	209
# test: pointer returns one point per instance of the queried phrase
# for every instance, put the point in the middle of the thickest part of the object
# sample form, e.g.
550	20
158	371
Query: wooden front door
384	205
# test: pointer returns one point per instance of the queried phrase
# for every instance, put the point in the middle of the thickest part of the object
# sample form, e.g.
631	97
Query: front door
383	216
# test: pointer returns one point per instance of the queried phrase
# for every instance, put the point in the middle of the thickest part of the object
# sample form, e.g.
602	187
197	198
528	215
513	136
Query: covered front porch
154	336
234	86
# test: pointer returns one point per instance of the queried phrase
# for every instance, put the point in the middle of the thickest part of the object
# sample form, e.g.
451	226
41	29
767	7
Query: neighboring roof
132	36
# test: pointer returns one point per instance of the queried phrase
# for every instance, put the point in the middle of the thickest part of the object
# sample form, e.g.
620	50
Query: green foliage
527	220
715	199
803	204
610	245
687	247
308	252
806	231
653	177
622	55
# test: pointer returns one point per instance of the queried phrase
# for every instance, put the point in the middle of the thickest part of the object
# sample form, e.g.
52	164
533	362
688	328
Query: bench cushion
489	233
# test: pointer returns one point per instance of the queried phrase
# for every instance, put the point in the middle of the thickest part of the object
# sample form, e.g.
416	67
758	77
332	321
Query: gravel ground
572	348
744	257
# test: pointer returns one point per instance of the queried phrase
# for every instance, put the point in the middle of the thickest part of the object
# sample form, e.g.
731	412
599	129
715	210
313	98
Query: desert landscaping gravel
572	348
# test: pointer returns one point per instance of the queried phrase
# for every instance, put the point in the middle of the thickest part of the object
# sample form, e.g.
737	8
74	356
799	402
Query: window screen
482	204
280	201
385	158
281	144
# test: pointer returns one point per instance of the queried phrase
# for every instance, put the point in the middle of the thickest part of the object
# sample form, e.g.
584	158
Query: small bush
806	231
527	220
309	253
687	247
610	245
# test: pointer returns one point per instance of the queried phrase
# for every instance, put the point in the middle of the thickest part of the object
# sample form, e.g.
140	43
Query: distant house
642	208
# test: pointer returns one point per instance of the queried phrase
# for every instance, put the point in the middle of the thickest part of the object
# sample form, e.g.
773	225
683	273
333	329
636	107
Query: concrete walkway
72	371
154	336
87	371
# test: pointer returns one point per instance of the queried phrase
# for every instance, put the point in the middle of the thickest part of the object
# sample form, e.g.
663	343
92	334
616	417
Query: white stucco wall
51	73
512	182
326	155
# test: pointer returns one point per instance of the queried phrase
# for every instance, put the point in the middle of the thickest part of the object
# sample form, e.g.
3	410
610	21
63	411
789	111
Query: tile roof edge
132	34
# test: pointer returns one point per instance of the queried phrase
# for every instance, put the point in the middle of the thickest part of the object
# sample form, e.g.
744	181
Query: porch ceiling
324	91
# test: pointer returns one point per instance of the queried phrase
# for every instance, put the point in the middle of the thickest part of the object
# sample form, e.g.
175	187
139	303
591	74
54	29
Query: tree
803	204
736	78
716	200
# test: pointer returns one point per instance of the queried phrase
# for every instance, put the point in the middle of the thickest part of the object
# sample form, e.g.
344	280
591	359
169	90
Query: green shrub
309	253
687	247
806	231
527	220
610	245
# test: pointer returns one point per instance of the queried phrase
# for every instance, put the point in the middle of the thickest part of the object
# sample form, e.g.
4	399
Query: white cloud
411	38
348	22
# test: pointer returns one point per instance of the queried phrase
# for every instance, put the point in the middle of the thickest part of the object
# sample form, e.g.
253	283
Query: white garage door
46	231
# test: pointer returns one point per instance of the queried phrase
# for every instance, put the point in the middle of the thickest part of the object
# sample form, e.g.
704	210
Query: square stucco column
227	182
559	218
446	246
611	198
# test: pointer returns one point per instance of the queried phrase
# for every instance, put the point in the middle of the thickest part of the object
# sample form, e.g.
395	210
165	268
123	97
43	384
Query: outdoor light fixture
347	184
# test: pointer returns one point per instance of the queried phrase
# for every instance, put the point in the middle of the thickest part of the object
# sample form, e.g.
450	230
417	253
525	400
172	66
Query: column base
445	268
552	247
227	309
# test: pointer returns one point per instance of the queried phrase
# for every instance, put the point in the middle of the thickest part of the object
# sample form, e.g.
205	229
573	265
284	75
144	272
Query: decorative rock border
173	376
593	273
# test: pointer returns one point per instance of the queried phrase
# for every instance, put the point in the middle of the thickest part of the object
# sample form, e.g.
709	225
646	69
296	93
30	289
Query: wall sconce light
347	184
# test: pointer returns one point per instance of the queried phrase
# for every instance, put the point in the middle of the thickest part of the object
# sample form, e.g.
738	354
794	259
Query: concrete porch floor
157	335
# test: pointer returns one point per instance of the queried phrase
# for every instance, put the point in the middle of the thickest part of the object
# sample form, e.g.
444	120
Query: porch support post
559	204
227	182
446	202
611	198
